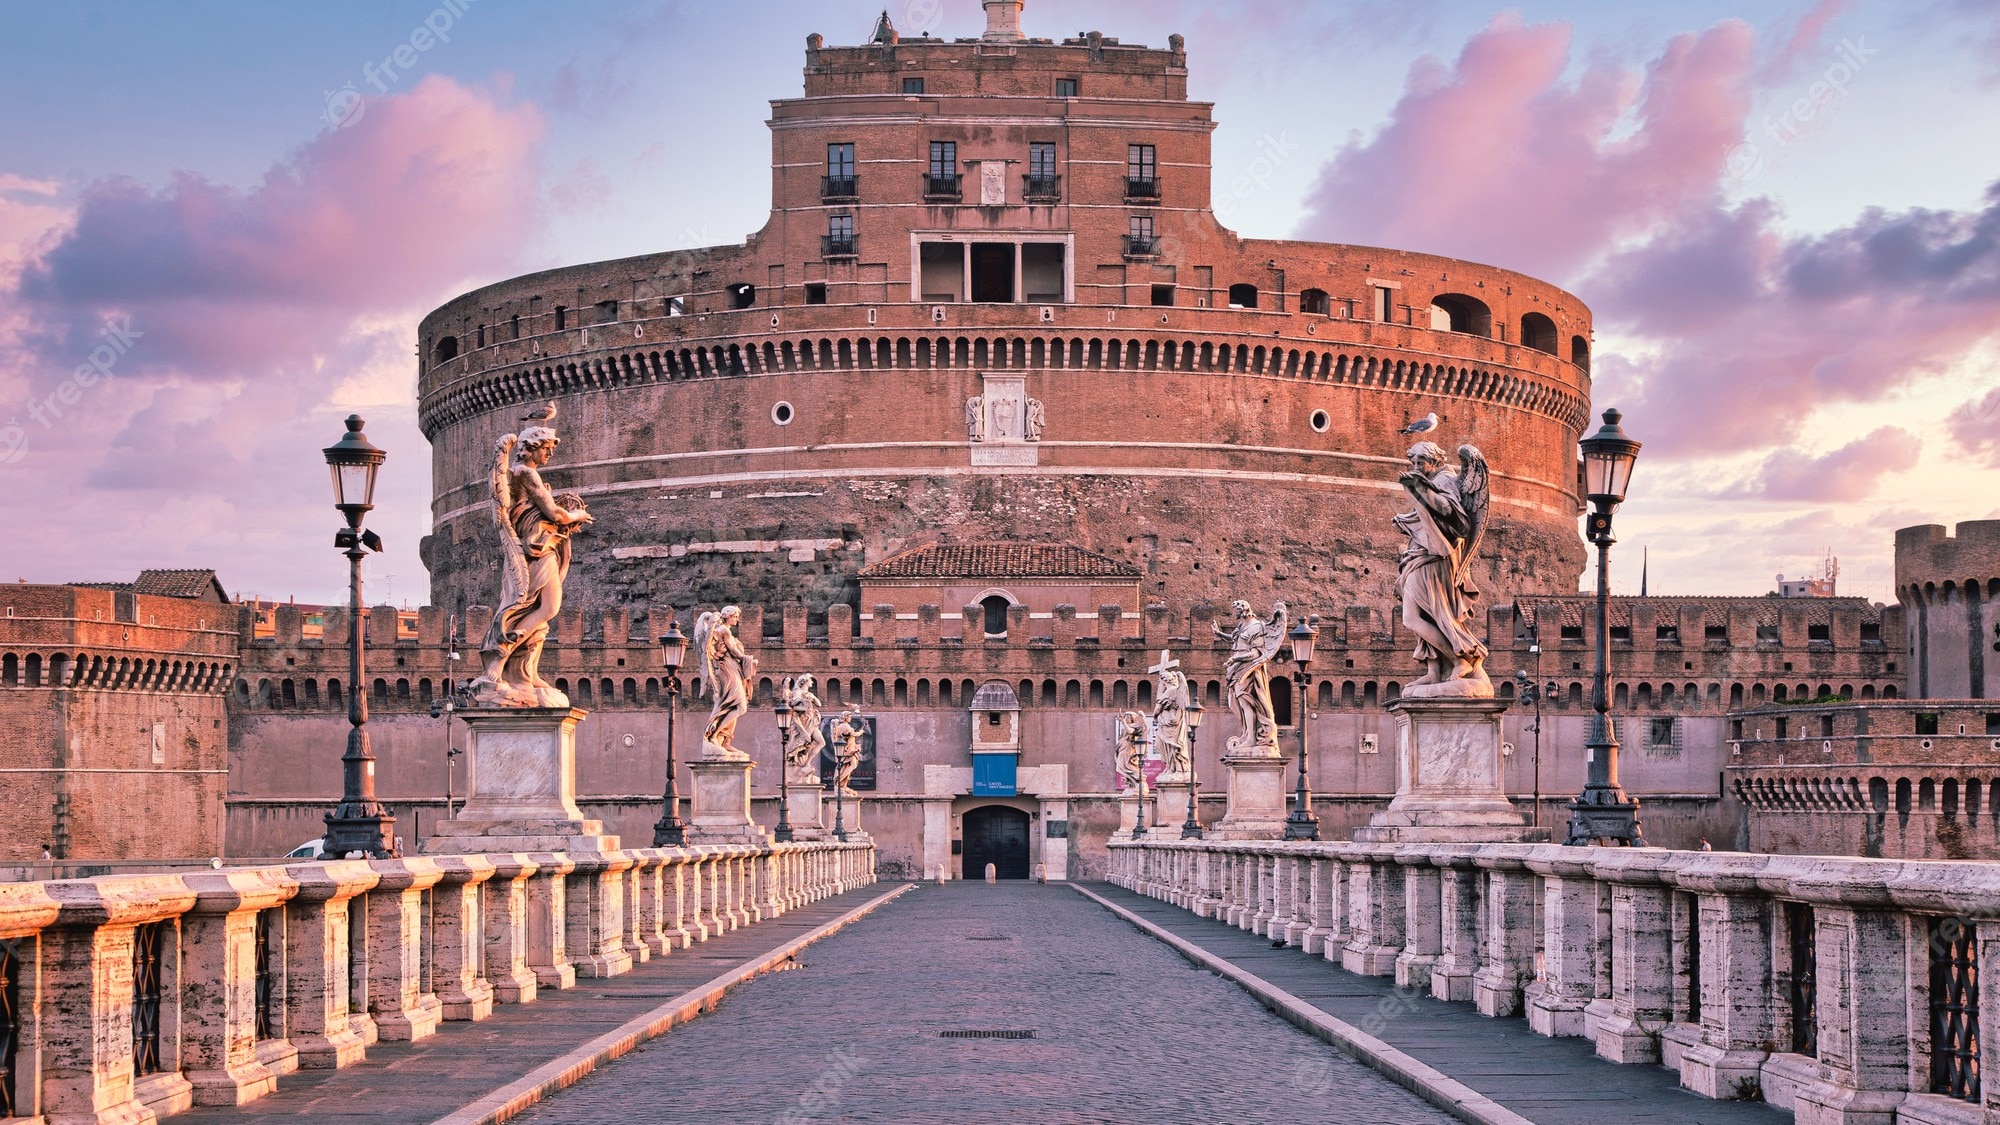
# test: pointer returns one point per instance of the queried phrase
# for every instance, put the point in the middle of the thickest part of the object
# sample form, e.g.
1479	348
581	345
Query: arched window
1242	296
447	348
995	608
1539	332
1281	700
1313	301
1456	312
1579	352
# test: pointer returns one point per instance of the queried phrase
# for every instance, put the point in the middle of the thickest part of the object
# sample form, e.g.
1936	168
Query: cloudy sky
220	223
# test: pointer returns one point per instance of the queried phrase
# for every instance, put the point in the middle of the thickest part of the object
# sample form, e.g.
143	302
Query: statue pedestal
1448	788
806	807
521	786
1256	808
849	817
719	812
1128	812
1170	801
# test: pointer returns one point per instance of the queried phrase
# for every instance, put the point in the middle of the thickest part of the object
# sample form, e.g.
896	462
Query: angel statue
848	732
535	528
1437	585
1253	644
806	742
1170	718
726	670
1131	739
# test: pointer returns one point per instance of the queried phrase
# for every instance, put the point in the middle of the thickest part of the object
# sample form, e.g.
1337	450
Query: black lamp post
1302	824
784	712
1192	829
1604	813
1139	826
1529	693
839	806
443	709
359	823
668	831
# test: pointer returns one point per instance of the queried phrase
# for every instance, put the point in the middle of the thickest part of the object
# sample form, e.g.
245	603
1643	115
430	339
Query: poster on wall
864	774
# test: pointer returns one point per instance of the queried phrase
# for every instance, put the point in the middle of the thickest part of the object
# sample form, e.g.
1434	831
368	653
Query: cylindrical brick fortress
992	304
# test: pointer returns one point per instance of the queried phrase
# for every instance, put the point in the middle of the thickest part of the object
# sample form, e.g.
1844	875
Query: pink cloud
1499	158
1847	474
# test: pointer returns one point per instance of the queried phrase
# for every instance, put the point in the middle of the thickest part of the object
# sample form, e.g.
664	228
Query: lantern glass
353	461
1302	637
1193	712
674	643
1608	457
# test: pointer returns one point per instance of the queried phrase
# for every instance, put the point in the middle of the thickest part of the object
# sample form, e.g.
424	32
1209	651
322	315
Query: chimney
1003	21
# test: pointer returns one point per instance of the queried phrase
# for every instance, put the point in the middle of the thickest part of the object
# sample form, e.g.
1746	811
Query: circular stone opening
782	414
1320	421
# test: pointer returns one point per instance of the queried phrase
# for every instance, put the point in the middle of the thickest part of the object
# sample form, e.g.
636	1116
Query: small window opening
815	292
1067	87
1163	296
742	295
447	348
995	608
913	85
1242	296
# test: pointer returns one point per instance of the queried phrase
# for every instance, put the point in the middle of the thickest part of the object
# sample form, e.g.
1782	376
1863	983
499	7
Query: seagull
1423	425
547	414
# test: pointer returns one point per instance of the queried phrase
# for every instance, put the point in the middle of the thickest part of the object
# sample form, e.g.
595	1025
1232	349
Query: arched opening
1579	352
742	295
997	835
994	609
1242	296
1313	301
1281	700
1456	312
1539	332
447	348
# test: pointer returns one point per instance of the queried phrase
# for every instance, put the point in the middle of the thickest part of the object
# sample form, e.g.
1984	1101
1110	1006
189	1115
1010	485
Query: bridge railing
1845	990
127	993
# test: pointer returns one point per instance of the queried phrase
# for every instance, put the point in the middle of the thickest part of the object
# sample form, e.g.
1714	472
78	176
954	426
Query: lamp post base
1302	824
1604	817
364	827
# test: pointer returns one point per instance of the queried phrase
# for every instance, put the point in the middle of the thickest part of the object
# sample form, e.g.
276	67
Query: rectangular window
1042	273
839	171
943	176
1826	726
1142	173
815	292
1385	306
1661	740
1992	723
562	317
1819	632
839	236
1042	160
1066	87
1927	722
913	85
1141	229
1163	296
1715	633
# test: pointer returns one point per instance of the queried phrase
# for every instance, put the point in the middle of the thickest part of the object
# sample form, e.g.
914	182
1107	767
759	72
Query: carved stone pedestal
720	810
1448	775
521	786
1256	808
806	808
1169	808
1128	812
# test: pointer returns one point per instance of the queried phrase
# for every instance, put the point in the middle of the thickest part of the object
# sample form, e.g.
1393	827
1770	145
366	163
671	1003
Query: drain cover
985	1034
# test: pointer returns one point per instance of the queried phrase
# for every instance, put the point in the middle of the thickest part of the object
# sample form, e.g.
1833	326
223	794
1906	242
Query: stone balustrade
1845	990
128	996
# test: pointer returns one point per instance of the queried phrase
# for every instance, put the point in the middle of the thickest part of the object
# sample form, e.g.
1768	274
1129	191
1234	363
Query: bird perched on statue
1423	425
547	414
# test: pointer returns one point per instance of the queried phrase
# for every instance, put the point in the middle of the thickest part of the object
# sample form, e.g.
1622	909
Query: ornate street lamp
1139	826
443	709
1302	824
784	712
1192	829
668	831
1604	813
359	823
1529	693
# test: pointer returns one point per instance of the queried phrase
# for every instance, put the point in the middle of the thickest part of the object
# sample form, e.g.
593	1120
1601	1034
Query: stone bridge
1415	983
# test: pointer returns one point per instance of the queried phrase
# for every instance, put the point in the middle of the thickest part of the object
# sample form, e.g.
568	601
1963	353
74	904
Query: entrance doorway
993	271
997	835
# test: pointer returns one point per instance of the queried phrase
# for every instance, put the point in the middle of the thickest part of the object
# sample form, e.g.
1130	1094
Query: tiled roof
1000	560
1576	609
191	584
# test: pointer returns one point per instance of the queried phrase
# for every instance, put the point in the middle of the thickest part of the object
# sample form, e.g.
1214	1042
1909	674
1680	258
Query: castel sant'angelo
986	427
992	304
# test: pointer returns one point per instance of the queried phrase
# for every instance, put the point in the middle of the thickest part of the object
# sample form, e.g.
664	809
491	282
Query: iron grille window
1142	171
148	943
1042	179
1954	1009
839	236
1066	87
1139	236
266	974
943	178
839	171
10	1023
1805	979
913	85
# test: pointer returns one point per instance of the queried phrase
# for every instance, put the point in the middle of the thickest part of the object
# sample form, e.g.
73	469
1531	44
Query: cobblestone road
1124	1031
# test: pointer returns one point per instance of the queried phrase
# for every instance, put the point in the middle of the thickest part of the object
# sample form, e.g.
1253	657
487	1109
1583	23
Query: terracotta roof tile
1000	560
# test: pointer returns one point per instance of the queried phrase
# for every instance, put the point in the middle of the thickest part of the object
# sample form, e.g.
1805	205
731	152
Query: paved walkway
417	1083
1549	1081
1123	1030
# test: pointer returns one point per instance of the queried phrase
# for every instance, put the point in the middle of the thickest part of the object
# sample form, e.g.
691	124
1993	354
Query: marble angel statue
1436	579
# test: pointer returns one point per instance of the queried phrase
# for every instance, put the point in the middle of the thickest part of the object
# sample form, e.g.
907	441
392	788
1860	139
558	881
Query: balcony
943	189
838	187
1137	247
1146	191
831	246
1041	189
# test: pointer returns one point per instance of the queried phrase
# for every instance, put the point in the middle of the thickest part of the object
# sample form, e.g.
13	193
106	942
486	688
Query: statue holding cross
1170	718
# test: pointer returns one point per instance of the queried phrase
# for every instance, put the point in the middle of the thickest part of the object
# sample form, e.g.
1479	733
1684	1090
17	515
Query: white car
311	849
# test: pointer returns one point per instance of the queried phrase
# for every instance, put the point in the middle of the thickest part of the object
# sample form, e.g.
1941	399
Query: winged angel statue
726	671
1437	584
1253	644
535	528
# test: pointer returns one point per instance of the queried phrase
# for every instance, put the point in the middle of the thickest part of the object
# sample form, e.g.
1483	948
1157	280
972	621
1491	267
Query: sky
221	222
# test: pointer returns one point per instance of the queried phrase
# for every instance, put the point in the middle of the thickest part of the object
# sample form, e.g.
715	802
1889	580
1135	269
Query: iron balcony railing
839	187
942	187
1137	247
831	247
1041	187
1142	189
